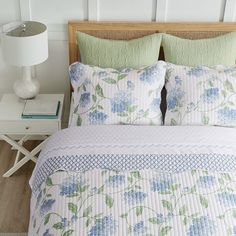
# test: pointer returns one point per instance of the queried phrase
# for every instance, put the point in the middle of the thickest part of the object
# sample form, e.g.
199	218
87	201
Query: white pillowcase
109	96
201	95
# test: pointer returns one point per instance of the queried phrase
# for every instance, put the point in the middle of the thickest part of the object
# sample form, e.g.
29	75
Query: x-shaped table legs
20	149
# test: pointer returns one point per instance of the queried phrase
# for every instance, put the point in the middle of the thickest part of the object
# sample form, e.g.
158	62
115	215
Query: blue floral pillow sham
109	96
201	95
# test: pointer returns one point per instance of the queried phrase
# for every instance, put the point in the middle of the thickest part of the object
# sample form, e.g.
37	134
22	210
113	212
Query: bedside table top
11	107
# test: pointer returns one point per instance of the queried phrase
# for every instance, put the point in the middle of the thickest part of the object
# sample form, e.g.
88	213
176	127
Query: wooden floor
14	191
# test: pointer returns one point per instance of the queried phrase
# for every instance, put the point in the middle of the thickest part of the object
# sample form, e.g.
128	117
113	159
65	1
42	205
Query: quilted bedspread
132	181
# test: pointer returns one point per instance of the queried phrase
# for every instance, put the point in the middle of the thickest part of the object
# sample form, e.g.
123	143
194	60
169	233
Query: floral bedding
133	181
103	202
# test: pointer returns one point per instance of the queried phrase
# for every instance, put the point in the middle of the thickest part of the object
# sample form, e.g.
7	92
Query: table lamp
25	46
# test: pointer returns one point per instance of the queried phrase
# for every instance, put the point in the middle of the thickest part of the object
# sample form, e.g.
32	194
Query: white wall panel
58	11
195	10
141	10
9	11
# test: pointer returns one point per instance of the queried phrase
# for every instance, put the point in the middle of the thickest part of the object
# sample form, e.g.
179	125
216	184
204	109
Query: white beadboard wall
55	13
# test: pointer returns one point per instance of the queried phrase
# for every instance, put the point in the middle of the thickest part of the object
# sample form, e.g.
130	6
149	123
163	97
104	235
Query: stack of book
37	109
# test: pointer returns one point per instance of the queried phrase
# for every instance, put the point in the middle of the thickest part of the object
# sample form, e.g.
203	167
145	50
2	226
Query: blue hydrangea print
103	227
174	98
76	72
206	181
133	197
155	105
85	99
227	115
46	206
97	117
227	199
197	71
210	95
121	102
70	185
202	226
116	180
150	74
130	85
161	185
139	228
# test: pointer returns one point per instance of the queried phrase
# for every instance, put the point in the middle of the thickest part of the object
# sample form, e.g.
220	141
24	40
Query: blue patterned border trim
121	162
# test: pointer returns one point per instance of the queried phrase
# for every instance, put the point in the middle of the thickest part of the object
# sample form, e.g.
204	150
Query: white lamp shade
27	45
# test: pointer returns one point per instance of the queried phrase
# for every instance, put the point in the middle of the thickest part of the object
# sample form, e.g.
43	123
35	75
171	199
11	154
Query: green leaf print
205	120
46	219
68	232
79	121
87	211
49	181
183	210
109	81
58	225
167	205
121	76
139	210
228	85
173	122
72	207
165	230
99	90
203	201
136	174
94	97
109	201
154	220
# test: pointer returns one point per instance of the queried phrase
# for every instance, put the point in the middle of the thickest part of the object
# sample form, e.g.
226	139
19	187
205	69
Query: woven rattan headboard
128	30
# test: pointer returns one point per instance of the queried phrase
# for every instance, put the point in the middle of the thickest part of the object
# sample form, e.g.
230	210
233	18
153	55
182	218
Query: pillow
109	96
201	95
213	51
119	53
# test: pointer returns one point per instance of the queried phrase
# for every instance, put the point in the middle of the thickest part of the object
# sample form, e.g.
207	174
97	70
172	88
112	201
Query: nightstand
11	124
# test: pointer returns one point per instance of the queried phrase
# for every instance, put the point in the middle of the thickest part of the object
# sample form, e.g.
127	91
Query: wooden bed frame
131	30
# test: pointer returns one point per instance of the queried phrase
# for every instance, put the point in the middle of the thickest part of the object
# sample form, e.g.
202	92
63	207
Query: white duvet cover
133	180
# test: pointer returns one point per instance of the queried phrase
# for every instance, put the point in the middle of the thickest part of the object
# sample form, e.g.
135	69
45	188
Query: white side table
11	123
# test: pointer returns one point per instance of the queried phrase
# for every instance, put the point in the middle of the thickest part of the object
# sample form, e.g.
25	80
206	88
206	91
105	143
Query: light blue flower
46	206
197	71
46	233
139	228
234	230
104	227
155	105
132	197
150	74
84	99
130	85
160	218
97	117
74	218
174	98
226	115
70	185
178	80
101	73
121	102
202	226
161	184
227	199
210	95
76	71
116	180
207	181
39	197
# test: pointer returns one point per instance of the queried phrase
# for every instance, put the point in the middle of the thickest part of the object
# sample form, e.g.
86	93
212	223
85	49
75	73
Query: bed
136	180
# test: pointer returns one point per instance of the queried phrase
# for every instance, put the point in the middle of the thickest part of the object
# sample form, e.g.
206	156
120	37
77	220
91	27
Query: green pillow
212	51
106	53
